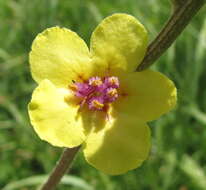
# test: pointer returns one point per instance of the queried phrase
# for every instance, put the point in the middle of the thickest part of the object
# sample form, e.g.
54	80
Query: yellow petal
118	43
122	145
147	95
60	56
53	119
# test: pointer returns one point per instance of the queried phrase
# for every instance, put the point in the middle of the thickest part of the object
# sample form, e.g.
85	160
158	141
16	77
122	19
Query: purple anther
95	81
83	89
96	103
110	95
112	82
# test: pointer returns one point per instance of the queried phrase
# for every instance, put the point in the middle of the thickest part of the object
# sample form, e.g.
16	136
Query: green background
178	156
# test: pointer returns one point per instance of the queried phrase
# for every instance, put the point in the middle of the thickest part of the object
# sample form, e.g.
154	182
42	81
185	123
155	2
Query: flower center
97	92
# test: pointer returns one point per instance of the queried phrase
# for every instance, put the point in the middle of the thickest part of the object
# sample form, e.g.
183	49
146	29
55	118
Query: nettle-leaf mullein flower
94	97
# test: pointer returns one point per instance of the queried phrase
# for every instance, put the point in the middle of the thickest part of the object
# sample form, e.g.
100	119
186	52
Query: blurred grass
177	159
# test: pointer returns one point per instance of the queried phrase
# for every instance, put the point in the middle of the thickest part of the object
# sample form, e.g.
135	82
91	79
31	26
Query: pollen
112	92
95	81
112	82
73	87
96	104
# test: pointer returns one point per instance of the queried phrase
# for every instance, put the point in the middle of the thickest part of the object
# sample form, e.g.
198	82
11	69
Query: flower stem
183	12
60	169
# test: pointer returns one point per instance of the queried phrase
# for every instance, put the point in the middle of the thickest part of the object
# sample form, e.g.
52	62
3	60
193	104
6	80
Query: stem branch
61	168
180	18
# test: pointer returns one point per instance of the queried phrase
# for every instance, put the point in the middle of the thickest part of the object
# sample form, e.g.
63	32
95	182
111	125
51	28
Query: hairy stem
60	169
180	18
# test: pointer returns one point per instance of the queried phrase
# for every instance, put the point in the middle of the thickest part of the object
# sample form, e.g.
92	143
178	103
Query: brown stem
60	169
180	18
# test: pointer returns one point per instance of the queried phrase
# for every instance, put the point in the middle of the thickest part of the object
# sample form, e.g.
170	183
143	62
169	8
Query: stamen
112	82
97	92
73	87
95	81
96	103
81	89
111	94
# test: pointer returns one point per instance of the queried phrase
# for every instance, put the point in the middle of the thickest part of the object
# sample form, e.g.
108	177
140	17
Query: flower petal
53	119
118	43
147	95
122	145
59	55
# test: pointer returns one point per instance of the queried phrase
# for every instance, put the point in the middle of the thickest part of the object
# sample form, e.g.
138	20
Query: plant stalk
60	169
180	18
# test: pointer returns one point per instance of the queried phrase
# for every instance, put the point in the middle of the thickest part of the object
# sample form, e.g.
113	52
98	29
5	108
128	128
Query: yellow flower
94	97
